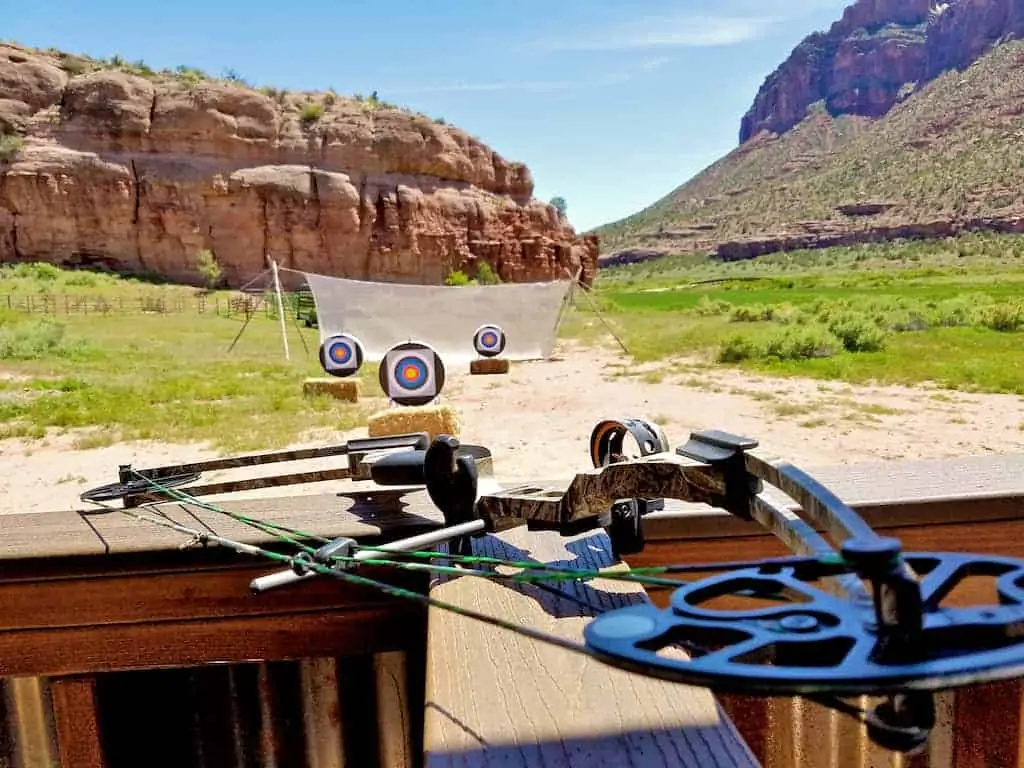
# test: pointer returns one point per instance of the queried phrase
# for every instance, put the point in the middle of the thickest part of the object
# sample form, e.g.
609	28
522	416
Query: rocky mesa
111	164
877	54
902	120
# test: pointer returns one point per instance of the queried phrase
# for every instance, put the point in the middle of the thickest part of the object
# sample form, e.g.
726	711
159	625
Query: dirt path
537	422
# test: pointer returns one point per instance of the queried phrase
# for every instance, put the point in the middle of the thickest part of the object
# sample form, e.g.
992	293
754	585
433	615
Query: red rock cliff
876	54
142	171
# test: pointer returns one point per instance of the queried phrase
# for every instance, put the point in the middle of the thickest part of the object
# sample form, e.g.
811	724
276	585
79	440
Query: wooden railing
112	636
113	640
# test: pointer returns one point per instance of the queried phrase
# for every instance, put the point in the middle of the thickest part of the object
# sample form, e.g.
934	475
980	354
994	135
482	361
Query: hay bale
340	389
489	365
433	419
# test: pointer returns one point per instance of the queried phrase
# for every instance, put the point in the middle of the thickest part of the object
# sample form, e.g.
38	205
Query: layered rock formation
901	121
138	171
876	55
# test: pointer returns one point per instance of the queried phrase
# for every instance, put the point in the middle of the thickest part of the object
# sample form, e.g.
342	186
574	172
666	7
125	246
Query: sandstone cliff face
102	166
876	54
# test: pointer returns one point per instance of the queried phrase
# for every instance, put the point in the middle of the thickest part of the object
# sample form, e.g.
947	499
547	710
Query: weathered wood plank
885	493
191	592
350	512
76	723
393	708
926	491
496	697
80	650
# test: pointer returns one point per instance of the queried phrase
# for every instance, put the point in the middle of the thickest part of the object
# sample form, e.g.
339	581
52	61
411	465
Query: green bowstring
283	533
352	578
533	571
287	535
658	570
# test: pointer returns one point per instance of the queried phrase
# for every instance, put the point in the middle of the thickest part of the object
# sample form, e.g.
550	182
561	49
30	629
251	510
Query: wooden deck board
98	532
924	491
884	493
494	697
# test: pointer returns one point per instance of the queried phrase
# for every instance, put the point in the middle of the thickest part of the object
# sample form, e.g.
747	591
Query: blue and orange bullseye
489	340
341	353
412	373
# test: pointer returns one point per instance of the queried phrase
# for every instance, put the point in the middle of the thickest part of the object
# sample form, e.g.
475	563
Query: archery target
489	340
412	373
341	355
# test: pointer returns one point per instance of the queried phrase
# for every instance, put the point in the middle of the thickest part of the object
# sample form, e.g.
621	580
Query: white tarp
381	315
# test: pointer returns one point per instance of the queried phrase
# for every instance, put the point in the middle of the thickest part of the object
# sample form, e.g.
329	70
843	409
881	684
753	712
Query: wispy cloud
644	66
511	85
655	63
673	31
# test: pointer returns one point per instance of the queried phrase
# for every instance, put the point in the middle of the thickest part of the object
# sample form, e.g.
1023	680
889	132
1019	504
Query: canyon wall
117	166
876	55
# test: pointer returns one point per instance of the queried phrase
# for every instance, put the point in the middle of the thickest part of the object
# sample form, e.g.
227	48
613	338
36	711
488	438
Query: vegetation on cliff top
950	151
314	101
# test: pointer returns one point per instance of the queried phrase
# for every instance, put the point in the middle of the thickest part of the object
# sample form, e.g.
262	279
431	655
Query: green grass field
949	312
155	376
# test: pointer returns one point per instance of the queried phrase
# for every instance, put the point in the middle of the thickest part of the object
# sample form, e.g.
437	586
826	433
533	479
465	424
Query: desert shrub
485	274
858	333
750	313
41	271
1003	316
10	145
310	113
458	277
708	307
801	342
787	314
29	339
958	312
739	347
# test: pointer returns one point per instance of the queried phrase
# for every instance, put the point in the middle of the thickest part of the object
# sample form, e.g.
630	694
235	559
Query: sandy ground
537	422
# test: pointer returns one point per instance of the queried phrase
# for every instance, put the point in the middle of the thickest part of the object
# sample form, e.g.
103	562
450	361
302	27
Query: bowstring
646	575
204	537
533	572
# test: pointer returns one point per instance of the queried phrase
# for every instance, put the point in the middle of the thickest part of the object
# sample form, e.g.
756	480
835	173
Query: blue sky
612	104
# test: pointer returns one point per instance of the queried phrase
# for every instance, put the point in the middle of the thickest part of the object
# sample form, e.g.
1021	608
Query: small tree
485	274
559	203
208	268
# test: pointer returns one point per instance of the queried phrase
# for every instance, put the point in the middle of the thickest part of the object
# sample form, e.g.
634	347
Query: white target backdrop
385	314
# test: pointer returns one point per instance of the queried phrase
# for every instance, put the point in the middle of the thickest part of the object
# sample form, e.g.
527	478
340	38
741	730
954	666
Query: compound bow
863	620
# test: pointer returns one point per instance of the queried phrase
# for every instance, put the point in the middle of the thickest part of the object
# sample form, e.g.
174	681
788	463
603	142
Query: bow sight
864	620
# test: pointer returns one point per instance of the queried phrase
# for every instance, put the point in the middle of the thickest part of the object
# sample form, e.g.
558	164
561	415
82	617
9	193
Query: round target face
489	340
411	373
341	355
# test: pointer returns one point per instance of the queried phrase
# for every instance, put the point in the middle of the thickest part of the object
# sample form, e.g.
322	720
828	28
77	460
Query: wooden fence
298	305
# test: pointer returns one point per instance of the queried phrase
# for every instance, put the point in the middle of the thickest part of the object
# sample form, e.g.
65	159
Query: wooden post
76	722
